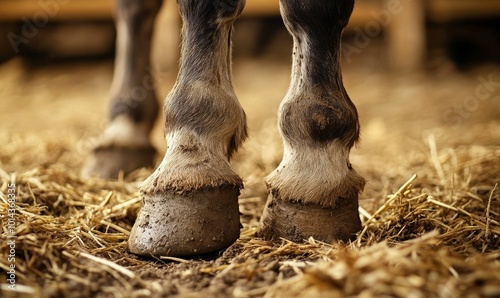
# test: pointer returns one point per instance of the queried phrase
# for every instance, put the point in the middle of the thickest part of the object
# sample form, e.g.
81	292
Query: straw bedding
434	234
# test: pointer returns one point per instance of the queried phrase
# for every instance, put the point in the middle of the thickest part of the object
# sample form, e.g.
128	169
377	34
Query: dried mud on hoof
109	161
297	221
180	224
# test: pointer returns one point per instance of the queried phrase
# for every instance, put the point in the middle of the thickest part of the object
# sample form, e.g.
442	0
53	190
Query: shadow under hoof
107	162
297	221
181	224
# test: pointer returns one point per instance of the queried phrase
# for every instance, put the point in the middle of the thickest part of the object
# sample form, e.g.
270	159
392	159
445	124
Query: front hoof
297	221
186	223
107	162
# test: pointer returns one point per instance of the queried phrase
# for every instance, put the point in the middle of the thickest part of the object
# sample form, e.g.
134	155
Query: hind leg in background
314	191
190	203
125	145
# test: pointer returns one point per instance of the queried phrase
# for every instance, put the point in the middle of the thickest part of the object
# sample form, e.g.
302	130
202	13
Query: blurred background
410	66
411	34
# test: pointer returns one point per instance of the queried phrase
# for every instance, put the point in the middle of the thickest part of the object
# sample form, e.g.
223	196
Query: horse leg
190	203
125	145
314	191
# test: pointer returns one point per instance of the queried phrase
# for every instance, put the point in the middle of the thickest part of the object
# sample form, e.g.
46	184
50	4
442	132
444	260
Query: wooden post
406	35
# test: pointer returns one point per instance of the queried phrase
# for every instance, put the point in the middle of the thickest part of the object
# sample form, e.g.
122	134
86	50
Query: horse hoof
186	223
107	162
297	221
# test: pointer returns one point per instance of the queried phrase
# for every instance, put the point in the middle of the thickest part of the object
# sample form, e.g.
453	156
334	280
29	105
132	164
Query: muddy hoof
109	161
297	222
186	224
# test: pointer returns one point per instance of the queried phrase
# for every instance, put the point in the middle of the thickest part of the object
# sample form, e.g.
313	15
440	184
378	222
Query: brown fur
204	122
317	120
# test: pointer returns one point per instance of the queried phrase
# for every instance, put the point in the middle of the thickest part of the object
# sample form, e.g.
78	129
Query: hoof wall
186	224
108	162
297	221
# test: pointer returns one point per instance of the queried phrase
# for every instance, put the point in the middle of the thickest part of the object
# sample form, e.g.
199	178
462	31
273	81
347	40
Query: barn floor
436	234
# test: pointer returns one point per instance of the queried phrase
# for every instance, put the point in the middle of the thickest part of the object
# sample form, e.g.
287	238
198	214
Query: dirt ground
433	235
